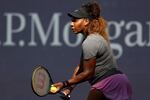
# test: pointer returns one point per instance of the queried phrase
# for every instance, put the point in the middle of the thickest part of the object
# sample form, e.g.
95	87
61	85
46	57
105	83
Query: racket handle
63	96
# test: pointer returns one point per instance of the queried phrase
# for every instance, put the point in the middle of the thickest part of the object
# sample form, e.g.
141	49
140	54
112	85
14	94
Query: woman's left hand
66	92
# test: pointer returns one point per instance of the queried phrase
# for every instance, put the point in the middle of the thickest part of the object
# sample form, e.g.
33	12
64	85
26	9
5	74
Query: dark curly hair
93	9
97	23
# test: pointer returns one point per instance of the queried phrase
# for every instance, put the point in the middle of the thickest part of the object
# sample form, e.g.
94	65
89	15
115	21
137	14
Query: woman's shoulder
97	38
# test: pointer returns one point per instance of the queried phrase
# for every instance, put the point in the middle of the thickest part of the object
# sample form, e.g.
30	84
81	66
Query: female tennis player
97	65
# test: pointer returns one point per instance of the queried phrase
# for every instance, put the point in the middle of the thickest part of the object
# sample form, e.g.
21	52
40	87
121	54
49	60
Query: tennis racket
42	81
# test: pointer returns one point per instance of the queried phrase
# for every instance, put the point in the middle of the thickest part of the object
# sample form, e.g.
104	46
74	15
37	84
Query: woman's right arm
75	71
68	90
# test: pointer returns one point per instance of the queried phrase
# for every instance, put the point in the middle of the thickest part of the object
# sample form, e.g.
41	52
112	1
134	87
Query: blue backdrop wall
36	32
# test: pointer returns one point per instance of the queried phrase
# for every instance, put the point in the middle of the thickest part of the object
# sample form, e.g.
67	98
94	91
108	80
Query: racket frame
62	95
49	76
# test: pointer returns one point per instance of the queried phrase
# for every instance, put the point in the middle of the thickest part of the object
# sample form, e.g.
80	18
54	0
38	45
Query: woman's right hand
58	86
